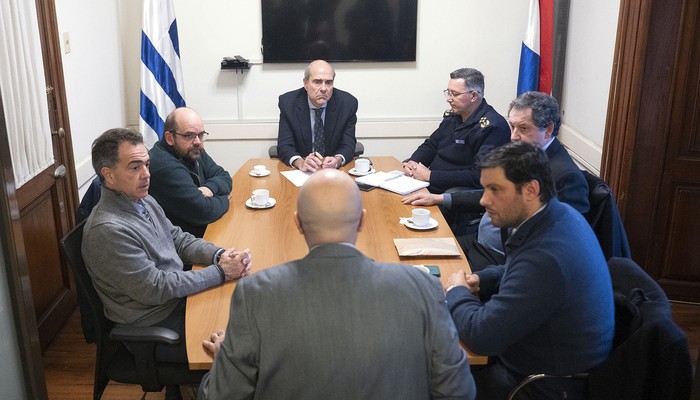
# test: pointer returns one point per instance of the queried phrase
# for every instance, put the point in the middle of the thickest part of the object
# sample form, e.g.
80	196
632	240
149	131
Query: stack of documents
394	181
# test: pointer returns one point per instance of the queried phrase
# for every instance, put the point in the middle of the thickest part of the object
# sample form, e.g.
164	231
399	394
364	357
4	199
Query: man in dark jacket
192	189
449	158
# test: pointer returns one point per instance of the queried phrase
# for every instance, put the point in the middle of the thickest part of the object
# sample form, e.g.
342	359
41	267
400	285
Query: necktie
319	138
142	209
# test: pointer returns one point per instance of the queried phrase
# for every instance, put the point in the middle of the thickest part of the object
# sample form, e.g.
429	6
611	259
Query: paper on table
426	247
394	181
296	177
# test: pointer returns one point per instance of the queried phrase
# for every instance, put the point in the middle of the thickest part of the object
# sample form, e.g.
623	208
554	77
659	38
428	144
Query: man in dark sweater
551	307
192	189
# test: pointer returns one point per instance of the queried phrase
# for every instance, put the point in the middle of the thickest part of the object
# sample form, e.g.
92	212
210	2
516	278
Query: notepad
394	181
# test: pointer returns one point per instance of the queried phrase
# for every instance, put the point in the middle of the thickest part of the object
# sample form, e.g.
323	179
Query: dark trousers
176	321
478	255
495	381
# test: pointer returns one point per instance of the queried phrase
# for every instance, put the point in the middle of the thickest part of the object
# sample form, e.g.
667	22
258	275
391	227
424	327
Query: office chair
604	218
123	354
359	150
650	359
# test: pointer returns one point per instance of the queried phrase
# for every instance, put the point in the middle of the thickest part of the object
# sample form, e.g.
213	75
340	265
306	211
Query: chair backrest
652	361
95	325
90	200
604	218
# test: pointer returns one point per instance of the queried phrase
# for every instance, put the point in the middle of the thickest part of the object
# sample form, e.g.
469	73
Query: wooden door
652	151
47	203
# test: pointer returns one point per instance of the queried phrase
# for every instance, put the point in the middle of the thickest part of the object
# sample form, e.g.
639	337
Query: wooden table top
273	239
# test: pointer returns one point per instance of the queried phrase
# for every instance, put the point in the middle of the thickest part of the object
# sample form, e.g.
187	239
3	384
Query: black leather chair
604	218
650	359
123	354
359	150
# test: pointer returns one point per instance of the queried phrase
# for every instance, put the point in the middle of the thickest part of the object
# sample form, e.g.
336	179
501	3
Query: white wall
587	73
400	103
93	74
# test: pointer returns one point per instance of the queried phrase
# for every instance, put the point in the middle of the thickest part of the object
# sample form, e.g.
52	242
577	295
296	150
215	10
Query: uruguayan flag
529	72
162	87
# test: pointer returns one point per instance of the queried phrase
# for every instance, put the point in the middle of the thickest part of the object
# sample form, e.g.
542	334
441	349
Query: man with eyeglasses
317	122
449	158
192	189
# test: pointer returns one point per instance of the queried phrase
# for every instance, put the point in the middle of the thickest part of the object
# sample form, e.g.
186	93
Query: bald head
329	208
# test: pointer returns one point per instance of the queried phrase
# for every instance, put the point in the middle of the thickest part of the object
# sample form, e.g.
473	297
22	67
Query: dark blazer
570	184
294	137
338	325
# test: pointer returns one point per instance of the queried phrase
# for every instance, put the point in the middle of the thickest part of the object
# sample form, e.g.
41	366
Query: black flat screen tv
339	30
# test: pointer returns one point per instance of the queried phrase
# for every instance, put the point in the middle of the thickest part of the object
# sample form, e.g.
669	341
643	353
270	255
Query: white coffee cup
362	165
420	216
259	169
260	197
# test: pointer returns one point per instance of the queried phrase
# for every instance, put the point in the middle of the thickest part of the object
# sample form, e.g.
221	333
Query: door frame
18	275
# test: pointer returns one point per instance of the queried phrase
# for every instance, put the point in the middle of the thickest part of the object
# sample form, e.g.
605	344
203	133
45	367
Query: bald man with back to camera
336	324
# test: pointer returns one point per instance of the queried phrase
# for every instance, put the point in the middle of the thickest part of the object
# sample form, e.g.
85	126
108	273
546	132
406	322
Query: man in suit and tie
336	324
317	122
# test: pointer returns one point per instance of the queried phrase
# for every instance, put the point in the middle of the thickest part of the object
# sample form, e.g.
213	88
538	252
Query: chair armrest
154	334
536	377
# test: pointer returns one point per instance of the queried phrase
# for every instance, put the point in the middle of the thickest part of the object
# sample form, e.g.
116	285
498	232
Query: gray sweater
137	265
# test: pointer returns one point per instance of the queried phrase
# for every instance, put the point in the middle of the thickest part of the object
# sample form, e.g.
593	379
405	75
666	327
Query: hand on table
423	199
214	344
460	278
331	162
312	163
236	264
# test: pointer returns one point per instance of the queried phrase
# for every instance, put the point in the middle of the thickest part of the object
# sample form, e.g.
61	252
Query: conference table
273	238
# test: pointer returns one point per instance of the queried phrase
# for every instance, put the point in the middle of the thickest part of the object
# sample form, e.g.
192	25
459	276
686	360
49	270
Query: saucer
270	203
266	173
431	224
355	172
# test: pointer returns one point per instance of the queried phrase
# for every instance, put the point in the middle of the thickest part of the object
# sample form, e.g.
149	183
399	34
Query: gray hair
473	79
545	109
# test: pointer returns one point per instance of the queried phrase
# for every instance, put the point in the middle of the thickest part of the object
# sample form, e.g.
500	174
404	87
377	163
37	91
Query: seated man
337	324
192	189
534	118
450	157
133	253
317	122
551	309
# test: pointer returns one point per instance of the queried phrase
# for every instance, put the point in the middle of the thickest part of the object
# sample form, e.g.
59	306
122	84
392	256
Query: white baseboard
584	152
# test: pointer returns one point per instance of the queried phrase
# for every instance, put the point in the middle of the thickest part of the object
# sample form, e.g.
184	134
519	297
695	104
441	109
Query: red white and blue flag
535	72
162	87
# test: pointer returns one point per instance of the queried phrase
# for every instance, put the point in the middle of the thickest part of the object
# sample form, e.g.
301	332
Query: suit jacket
337	325
569	181
294	137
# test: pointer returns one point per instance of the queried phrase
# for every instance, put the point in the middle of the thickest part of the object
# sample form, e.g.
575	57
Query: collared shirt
312	117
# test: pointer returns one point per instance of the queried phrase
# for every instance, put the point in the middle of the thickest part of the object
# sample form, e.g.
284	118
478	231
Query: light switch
66	43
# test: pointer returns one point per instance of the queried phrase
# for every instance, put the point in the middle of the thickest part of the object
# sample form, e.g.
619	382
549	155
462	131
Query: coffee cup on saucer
362	165
420	217
259	169
260	197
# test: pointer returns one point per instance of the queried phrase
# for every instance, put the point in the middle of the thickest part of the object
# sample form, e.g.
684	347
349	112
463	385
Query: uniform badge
447	113
484	122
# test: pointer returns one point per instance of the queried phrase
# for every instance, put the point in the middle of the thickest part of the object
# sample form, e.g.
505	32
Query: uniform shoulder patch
484	122
447	113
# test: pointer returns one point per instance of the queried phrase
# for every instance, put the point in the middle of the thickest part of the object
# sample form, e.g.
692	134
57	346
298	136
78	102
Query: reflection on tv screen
339	30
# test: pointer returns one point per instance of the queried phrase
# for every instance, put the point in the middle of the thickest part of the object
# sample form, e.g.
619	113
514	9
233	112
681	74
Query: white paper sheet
296	177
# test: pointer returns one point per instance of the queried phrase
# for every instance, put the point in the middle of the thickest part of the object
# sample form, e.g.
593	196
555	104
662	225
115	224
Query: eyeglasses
189	137
450	93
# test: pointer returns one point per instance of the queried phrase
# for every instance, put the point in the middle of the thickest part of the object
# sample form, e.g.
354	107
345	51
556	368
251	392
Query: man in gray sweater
135	255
